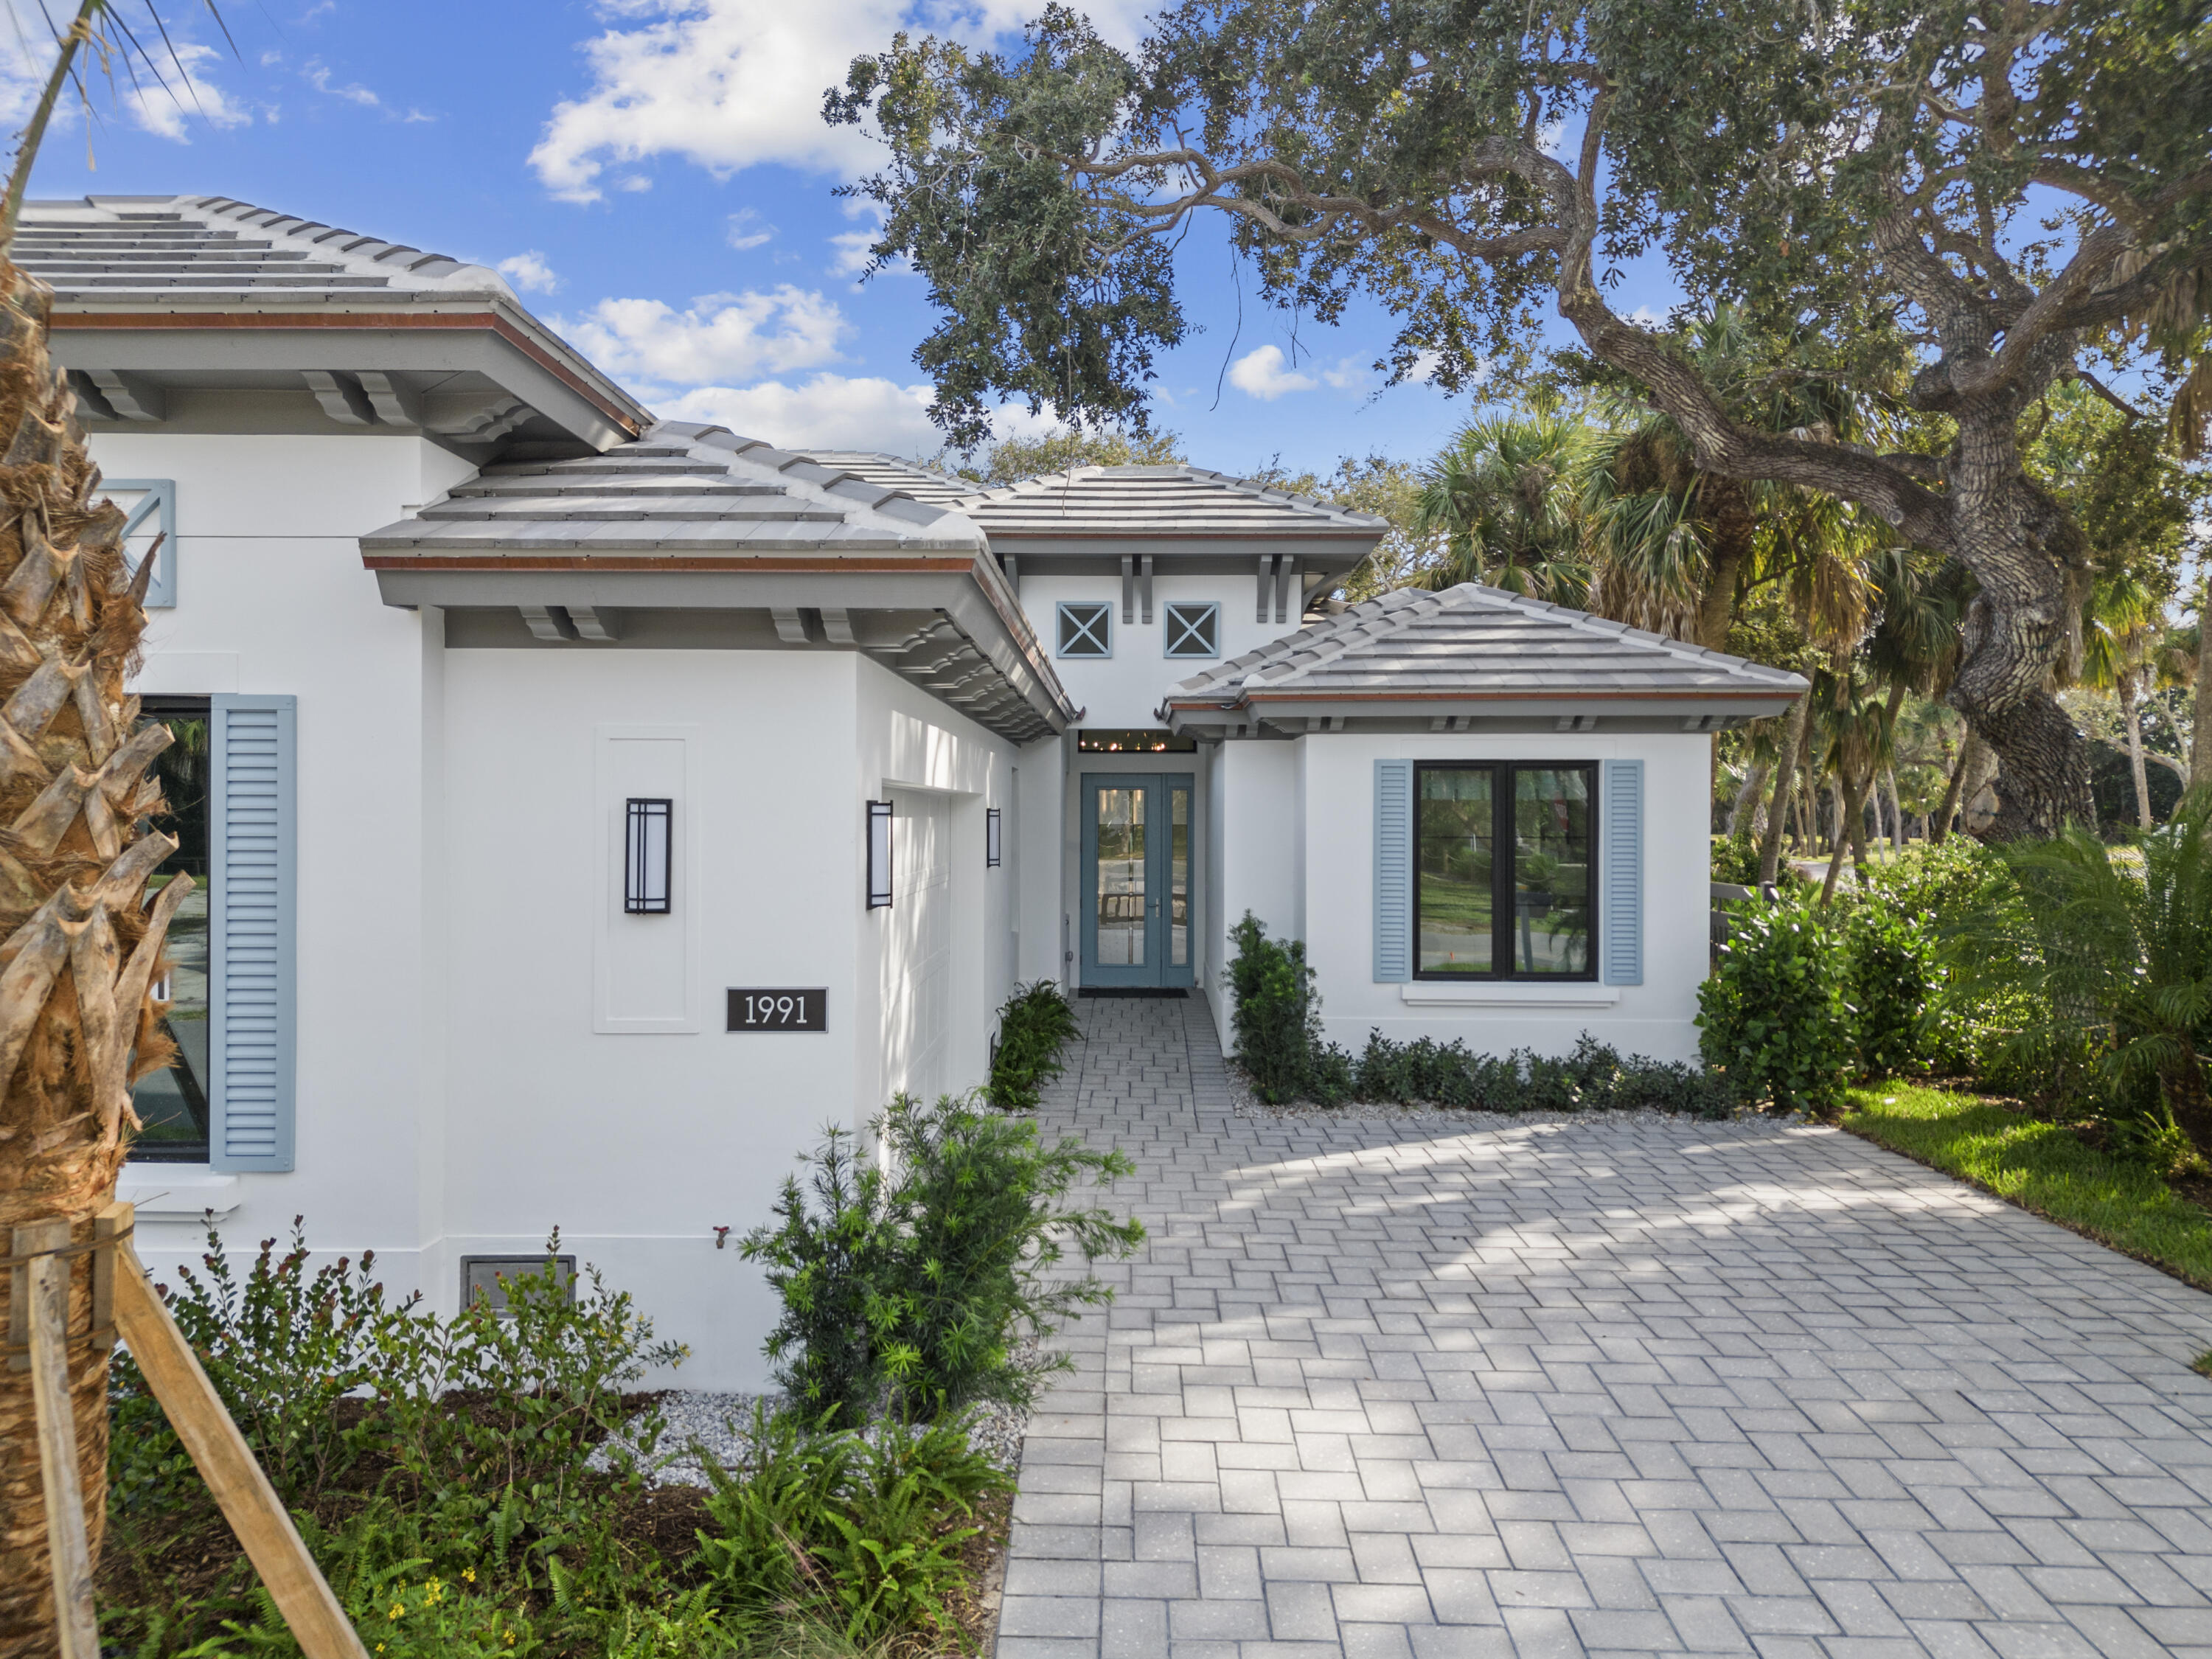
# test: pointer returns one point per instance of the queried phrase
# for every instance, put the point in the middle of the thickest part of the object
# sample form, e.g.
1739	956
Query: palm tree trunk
1939	827
2131	714
1791	756
77	1025
1896	810
1748	799
1734	532
2200	741
1835	852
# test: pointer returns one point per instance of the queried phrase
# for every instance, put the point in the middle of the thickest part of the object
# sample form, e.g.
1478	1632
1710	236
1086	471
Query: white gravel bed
720	1425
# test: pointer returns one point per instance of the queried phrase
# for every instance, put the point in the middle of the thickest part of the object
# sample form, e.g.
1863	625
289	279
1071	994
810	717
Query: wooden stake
249	1503
68	1549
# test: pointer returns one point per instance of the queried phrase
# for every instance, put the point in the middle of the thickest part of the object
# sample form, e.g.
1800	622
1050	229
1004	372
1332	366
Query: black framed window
1505	869
1087	629
1194	629
173	1103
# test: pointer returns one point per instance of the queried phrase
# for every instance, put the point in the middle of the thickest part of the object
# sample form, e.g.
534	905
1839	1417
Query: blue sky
653	177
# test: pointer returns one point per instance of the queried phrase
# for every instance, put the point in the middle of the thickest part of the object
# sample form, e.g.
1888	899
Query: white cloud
719	337
827	411
170	111
835	411
318	76
729	84
747	229
1263	374
529	273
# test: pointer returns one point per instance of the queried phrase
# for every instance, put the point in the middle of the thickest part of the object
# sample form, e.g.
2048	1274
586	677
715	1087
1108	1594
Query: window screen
1194	629
1087	629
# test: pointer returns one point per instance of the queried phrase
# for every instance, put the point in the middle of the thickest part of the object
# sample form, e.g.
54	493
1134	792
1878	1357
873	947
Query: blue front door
1136	879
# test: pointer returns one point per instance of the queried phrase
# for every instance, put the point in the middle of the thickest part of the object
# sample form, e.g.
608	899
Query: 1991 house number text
778	1009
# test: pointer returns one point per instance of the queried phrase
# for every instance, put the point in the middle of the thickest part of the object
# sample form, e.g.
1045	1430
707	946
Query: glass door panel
1179	874
1119	819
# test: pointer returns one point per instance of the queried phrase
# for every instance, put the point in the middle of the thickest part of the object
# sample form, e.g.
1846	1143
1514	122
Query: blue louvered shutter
1620	846
1394	871
252	820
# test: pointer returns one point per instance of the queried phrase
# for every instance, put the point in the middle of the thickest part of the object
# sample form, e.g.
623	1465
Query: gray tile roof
917	480
681	488
133	249
1476	642
1180	502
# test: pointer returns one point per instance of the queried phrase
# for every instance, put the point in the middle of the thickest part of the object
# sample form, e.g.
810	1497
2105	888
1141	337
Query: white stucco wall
1126	689
272	599
1654	1018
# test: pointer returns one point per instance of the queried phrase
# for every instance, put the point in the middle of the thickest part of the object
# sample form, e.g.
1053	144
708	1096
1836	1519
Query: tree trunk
1734	533
1939	827
1896	810
1835	852
2200	741
2132	715
1748	799
1791	757
77	1023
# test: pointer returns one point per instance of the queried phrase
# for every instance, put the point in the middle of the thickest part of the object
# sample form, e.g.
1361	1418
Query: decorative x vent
1087	629
1194	630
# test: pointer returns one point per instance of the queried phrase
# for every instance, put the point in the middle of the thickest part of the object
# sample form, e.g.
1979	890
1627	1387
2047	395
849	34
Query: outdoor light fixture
648	842
991	837
879	854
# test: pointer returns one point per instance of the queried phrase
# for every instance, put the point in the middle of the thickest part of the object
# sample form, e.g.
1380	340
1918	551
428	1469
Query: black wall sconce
993	838
648	848
879	854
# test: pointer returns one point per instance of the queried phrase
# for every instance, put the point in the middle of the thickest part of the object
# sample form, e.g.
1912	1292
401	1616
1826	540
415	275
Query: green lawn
2042	1167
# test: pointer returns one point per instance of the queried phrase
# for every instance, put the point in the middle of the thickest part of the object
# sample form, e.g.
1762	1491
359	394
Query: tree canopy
1955	206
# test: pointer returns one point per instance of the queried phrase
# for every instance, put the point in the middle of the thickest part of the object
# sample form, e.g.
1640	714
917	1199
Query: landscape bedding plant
439	1471
1276	1019
1033	1025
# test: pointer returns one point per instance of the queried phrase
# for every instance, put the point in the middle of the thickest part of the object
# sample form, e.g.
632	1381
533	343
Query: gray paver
1414	1389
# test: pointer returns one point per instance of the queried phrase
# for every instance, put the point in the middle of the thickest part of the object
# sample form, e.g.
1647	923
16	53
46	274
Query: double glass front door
1136	879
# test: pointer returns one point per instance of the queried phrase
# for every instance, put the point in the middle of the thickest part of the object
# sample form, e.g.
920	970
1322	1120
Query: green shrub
282	1348
1276	1014
921	1283
1735	859
868	1529
1896	982
1774	1016
1033	1024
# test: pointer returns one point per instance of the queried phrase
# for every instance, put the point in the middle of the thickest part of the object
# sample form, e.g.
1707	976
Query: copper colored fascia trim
545	562
1484	696
489	320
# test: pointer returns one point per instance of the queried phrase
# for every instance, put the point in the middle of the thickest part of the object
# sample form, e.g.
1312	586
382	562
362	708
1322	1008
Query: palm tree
1676	549
1503	497
2120	644
79	948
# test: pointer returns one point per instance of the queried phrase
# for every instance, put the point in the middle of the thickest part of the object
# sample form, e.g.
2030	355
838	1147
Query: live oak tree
1967	202
81	933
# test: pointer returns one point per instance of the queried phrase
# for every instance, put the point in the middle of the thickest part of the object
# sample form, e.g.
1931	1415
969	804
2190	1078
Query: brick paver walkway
1393	1389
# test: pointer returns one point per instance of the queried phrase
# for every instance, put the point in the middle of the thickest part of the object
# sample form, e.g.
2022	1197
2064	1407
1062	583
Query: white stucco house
591	807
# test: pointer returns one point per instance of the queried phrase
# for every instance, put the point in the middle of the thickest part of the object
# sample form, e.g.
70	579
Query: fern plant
2108	952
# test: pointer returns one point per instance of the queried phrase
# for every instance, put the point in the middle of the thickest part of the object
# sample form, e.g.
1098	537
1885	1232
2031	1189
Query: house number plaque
779	1010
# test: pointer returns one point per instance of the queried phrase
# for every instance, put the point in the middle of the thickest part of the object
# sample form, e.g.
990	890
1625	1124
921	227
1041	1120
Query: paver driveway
1402	1389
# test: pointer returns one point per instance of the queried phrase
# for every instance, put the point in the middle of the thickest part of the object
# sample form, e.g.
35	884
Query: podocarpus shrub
1275	1012
1033	1024
913	1288
1774	1016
